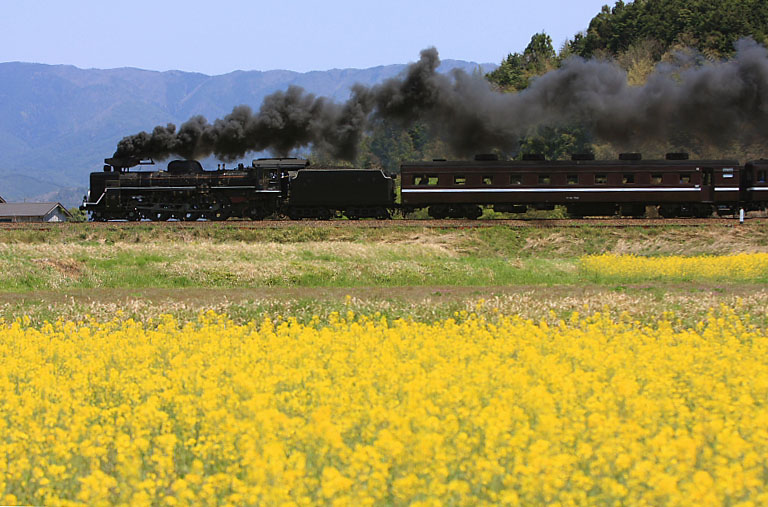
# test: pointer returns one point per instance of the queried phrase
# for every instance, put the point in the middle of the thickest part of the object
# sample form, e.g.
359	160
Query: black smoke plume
716	103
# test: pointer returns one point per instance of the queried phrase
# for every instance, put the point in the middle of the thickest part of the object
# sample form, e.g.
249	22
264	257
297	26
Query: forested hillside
638	36
711	26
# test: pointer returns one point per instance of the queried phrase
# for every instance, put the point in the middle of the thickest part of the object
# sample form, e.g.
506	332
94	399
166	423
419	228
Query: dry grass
419	303
346	257
698	242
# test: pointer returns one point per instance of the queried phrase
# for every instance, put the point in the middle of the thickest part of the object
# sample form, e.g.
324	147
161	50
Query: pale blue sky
220	36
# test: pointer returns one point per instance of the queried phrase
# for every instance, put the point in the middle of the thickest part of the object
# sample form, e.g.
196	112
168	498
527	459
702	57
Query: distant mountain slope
58	122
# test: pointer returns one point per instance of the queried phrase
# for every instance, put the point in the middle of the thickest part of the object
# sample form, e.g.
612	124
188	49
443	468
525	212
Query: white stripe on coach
523	190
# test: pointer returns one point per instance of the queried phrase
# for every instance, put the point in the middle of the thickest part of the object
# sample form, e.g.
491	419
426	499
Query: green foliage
387	145
78	215
557	142
712	26
514	74
390	146
516	70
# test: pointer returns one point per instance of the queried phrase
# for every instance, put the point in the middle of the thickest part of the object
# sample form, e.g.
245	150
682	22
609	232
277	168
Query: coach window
572	179
420	179
544	179
487	180
601	179
459	180
685	179
761	176
628	179
656	179
515	179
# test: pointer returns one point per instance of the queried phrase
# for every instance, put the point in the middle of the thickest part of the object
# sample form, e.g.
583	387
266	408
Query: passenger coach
676	186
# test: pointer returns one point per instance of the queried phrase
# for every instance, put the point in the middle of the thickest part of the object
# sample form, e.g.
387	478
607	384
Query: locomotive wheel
218	209
257	213
218	215
222	213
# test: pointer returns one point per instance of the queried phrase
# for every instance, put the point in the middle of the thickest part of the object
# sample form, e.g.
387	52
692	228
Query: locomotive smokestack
714	103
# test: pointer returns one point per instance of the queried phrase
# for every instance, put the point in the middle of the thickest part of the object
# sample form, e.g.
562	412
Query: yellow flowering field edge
363	410
745	267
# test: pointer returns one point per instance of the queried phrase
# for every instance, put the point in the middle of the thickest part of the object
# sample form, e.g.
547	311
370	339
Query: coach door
707	184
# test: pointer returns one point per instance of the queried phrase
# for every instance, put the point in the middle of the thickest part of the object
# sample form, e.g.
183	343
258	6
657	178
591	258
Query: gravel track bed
443	224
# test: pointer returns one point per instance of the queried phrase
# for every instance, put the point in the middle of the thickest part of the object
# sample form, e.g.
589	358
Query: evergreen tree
712	26
516	70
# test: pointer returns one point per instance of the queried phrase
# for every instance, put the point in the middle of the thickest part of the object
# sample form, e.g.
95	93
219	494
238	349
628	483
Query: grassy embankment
300	270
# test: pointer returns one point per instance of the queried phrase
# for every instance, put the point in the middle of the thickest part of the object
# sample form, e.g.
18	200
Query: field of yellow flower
363	410
740	267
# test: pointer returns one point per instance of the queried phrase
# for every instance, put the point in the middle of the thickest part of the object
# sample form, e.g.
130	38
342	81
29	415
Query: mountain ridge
58	122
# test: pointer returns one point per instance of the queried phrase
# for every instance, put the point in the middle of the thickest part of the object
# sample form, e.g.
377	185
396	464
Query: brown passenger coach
675	185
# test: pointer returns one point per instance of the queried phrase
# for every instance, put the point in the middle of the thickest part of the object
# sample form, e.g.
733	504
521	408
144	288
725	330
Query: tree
714	24
557	142
516	70
391	145
78	215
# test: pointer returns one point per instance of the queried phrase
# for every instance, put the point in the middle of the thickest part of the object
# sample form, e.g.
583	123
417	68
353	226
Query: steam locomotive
675	186
274	186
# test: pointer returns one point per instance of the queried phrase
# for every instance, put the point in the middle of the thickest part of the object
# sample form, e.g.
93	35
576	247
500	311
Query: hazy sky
220	36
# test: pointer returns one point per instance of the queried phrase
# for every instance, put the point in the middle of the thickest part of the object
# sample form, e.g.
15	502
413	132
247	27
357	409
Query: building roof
30	209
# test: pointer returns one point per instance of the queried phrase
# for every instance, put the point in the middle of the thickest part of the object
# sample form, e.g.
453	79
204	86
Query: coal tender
326	193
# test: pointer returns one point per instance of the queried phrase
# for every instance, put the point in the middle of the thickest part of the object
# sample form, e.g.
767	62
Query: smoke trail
716	103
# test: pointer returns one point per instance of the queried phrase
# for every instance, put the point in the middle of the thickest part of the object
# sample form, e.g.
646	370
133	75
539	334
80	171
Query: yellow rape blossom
357	410
742	267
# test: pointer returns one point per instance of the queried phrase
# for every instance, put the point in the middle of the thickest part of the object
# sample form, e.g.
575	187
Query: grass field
225	257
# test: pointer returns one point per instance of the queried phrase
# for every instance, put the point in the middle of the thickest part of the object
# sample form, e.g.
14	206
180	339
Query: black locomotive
675	186
274	186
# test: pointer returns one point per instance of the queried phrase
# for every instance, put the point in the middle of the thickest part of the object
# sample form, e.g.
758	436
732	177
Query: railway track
440	224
